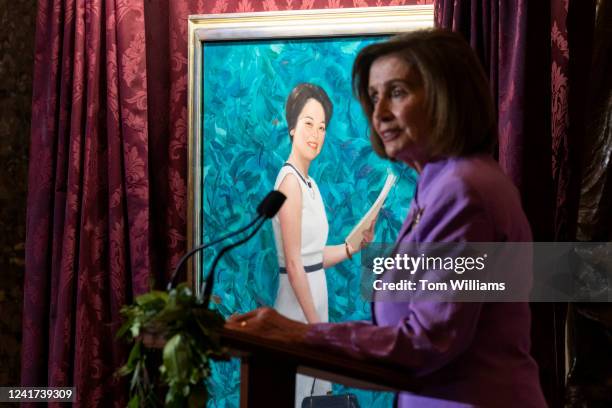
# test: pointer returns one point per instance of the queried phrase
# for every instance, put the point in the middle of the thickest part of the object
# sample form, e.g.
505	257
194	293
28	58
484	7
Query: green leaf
177	358
153	297
136	380
124	370
133	359
193	341
135	329
135	354
134	402
125	327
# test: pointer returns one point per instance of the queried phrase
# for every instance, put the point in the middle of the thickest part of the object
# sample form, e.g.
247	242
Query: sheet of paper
356	236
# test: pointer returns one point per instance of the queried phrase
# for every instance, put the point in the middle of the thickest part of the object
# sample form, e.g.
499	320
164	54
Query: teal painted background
245	143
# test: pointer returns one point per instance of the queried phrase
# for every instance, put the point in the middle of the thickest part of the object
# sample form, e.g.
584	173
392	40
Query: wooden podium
267	370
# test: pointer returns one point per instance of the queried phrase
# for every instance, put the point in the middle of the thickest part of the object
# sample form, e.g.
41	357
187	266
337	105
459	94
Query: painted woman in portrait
301	227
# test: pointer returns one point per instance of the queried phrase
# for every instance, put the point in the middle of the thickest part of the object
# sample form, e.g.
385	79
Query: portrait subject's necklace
307	182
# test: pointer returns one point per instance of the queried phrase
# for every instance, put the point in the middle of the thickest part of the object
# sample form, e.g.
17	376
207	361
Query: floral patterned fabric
525	49
87	248
537	68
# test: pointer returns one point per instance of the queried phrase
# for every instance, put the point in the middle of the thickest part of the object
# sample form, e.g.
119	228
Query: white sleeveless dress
314	237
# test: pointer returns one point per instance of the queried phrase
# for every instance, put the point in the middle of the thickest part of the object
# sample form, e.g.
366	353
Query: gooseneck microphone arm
267	208
204	246
207	285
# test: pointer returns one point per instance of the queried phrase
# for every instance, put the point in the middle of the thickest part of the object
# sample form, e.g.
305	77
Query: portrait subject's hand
268	323
367	237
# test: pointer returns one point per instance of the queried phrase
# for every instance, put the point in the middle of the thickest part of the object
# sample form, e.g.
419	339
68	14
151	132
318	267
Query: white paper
356	236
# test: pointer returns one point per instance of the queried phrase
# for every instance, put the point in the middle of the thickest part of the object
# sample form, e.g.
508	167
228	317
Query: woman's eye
397	92
322	128
309	124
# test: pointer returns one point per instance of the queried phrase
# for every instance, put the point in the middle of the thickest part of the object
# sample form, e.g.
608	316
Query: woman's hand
333	254
268	323
367	237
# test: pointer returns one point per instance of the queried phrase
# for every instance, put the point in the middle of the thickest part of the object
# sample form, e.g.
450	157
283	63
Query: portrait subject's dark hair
298	98
459	106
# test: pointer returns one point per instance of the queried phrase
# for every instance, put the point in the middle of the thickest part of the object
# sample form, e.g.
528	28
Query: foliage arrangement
177	329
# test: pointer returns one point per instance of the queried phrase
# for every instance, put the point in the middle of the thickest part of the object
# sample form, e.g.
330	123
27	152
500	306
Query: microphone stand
207	285
267	208
204	246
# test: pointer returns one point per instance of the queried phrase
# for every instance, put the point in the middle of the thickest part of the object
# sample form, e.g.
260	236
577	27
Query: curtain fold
510	38
590	324
88	232
595	217
537	54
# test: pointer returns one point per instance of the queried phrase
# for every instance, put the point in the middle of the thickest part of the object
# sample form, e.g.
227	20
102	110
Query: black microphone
271	203
267	208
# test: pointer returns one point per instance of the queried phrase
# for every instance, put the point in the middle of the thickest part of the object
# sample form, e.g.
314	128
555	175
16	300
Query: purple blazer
470	354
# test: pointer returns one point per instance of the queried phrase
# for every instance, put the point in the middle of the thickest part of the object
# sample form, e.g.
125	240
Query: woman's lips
389	135
313	145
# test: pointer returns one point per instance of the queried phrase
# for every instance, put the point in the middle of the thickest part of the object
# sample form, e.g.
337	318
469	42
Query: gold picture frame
298	24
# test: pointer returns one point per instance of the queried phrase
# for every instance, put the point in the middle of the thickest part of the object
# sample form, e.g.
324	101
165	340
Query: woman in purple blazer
429	106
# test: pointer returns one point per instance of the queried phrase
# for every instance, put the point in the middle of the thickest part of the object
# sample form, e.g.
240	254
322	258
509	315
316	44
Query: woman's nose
314	133
381	110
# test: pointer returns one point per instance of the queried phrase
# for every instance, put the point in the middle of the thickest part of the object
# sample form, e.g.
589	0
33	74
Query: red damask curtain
537	55
88	216
107	180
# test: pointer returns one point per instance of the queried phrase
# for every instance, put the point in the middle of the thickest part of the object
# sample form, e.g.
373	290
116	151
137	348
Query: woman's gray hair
459	107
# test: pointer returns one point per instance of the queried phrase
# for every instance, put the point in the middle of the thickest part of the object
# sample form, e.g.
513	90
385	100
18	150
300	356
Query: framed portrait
242	67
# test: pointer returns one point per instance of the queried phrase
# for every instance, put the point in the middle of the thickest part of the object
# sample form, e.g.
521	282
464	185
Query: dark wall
17	28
